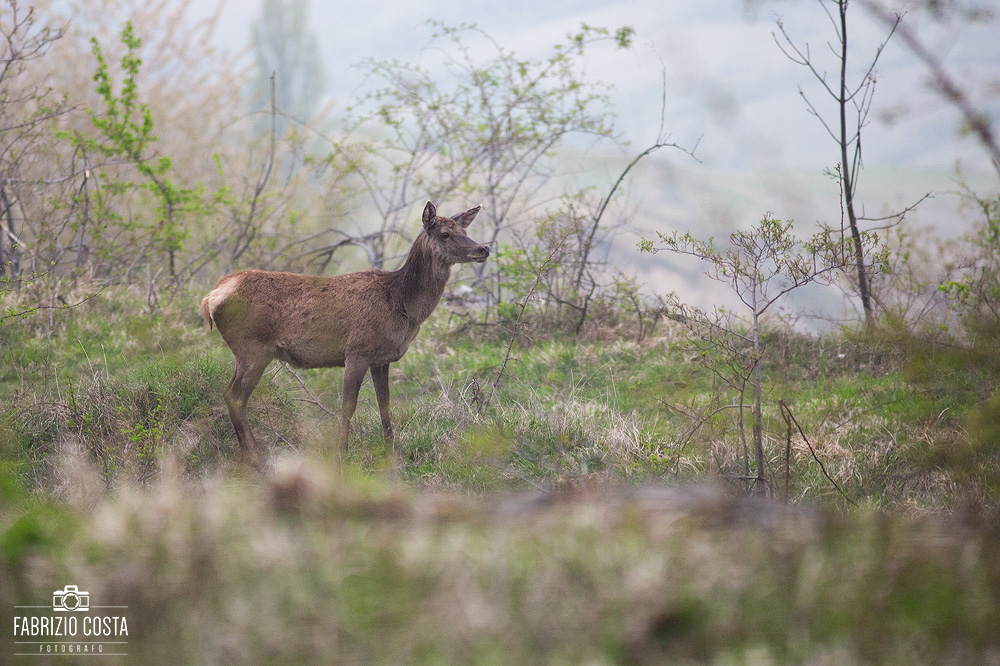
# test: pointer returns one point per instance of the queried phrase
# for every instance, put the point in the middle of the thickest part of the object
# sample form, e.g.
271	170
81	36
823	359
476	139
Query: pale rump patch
217	297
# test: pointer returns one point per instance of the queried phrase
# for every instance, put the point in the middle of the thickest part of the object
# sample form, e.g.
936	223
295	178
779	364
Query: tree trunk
864	290
758	434
9	254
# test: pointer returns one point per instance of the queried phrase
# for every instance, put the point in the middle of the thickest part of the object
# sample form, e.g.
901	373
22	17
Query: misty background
713	69
731	95
727	82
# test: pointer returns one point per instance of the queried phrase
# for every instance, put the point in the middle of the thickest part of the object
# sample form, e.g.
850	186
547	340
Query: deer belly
312	352
303	359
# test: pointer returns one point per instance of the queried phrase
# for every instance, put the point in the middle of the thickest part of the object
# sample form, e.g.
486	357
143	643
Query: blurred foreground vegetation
316	565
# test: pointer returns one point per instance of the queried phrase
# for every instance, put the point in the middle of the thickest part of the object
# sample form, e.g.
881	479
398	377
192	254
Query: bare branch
897	216
979	123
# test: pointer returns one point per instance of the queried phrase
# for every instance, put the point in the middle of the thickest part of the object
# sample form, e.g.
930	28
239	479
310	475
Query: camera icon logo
70	598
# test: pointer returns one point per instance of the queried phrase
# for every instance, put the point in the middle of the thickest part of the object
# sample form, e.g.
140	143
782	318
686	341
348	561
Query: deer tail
206	310
214	299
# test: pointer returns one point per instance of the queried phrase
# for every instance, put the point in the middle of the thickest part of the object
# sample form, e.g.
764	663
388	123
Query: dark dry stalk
787	412
513	336
788	451
520	315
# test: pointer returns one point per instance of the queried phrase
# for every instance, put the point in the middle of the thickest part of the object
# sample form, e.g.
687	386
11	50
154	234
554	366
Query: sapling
761	266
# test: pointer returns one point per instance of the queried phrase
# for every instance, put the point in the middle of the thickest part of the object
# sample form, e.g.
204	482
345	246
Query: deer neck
420	282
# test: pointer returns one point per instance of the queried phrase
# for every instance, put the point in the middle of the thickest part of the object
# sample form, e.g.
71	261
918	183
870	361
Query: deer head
447	239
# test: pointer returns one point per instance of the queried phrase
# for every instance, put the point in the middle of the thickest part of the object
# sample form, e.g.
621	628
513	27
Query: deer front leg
380	380
354	374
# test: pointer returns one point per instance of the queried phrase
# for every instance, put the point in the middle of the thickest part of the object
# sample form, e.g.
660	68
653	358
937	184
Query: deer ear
428	218
466	218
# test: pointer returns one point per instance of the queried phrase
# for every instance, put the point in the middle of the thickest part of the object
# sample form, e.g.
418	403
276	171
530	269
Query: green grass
590	513
131	389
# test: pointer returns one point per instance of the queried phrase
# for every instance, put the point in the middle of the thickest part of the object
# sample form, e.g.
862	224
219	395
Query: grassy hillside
592	512
127	389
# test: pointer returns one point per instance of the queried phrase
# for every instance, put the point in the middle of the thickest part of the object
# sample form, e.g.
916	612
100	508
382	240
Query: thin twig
520	315
28	311
788	452
311	399
977	120
786	410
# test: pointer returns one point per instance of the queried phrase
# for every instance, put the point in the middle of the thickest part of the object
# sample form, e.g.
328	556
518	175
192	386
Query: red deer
358	321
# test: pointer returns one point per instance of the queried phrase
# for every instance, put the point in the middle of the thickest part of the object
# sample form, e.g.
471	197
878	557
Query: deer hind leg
244	381
380	380
354	374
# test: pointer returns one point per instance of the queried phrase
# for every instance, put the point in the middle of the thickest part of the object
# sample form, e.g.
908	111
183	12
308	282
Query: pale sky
727	82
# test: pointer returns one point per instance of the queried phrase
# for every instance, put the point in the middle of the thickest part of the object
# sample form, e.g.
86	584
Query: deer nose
485	249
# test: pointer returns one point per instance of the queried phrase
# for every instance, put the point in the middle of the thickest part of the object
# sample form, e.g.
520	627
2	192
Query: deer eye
445	235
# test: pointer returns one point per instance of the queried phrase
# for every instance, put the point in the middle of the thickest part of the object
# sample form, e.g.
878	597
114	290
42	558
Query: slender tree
761	266
853	102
